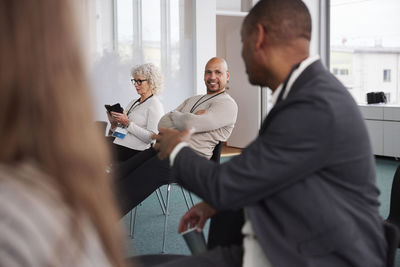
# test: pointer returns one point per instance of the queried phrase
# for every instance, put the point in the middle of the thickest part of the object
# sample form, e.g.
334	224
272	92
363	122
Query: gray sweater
215	125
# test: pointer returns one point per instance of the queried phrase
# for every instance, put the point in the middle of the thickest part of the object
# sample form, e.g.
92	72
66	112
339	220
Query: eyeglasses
139	82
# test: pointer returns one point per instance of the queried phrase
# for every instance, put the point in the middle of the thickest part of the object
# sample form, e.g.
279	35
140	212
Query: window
364	40
133	32
160	32
386	75
344	72
125	32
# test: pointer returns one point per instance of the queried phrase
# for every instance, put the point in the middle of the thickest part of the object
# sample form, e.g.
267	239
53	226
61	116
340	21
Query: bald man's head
284	20
216	75
218	60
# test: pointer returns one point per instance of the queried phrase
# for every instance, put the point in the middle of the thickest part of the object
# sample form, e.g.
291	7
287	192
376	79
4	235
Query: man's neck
285	58
216	92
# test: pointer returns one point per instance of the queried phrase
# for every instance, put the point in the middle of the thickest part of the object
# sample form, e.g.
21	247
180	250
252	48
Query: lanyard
134	103
198	103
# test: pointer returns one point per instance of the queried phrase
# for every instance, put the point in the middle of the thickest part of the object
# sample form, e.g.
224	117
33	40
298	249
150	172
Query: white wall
313	6
247	96
320	31
229	5
204	22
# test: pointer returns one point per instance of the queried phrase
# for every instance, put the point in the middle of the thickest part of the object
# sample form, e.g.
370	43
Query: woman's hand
121	118
196	216
111	119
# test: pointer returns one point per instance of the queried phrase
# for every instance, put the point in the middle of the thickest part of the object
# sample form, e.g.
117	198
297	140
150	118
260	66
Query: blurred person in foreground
307	182
56	205
141	116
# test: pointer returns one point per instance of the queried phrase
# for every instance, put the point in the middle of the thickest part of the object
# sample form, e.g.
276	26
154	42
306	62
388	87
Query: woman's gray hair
152	74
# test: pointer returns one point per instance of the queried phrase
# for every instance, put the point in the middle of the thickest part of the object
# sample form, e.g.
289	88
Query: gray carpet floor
150	219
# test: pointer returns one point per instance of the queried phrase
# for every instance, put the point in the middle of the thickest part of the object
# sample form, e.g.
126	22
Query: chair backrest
102	126
225	226
216	156
392	238
394	214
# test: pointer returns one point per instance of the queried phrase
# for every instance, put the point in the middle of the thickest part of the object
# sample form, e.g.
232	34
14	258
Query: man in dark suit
307	183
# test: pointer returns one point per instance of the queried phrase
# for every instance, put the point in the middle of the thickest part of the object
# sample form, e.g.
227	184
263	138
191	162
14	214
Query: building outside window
365	39
386	75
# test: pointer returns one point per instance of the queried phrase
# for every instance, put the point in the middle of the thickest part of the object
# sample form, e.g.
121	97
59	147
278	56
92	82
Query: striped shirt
35	225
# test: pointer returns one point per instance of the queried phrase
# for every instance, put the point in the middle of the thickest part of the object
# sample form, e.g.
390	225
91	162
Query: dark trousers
218	257
120	153
226	229
138	177
142	174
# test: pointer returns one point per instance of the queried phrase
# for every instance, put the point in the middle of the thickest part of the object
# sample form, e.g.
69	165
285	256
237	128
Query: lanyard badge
120	132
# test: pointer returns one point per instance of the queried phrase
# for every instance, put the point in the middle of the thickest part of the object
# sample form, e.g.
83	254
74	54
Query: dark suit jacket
307	181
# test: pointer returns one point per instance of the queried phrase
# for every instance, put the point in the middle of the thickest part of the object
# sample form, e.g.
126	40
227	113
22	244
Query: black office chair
392	223
216	156
392	237
394	213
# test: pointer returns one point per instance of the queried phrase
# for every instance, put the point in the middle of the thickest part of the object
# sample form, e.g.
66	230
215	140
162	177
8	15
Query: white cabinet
391	138
372	112
383	124
375	130
391	114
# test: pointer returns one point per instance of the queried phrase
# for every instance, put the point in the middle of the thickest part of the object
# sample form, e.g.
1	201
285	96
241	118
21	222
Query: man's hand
200	112
167	139
196	216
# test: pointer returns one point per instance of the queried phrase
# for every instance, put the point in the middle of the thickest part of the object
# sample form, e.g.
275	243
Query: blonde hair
45	114
152	74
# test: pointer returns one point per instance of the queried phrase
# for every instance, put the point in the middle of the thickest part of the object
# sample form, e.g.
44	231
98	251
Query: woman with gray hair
140	118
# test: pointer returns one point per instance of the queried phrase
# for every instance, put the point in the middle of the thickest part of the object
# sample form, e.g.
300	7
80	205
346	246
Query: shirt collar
303	65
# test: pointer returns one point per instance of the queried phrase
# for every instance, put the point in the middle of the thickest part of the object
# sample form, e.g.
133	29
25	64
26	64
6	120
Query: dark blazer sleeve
294	147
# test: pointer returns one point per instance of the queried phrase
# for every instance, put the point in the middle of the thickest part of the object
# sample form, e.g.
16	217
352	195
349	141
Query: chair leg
185	198
161	200
166	219
191	198
133	222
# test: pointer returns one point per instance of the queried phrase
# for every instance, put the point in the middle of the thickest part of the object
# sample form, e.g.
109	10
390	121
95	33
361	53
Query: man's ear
261	37
227	75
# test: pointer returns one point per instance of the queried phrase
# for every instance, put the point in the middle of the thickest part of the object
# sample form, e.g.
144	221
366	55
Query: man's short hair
284	20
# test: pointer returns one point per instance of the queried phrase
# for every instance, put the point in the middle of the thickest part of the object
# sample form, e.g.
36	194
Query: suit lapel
309	73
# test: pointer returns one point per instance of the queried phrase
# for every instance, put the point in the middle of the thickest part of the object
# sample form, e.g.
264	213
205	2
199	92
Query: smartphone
114	108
